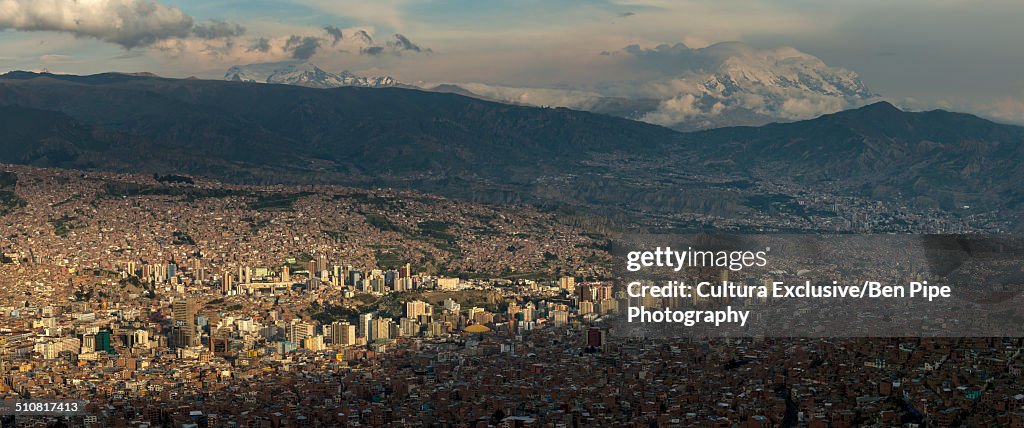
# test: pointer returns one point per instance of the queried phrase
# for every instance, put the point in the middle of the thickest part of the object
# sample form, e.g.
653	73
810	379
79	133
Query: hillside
936	157
231	129
474	149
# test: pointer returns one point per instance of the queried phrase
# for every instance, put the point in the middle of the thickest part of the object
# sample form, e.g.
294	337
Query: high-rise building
183	332
586	307
561	317
226	282
567	283
88	343
447	283
528	312
410	327
365	325
381	329
140	339
586	292
415	308
595	338
313	343
298	331
103	338
348	334
451	306
404	284
342	333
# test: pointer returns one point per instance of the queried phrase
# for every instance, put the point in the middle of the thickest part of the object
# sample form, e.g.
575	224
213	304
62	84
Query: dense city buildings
207	304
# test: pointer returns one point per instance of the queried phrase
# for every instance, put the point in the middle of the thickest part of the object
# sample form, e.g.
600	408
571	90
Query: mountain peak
734	83
302	73
881	106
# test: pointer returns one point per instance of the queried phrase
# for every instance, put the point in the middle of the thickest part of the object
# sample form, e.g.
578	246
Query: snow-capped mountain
725	84
746	86
721	85
302	73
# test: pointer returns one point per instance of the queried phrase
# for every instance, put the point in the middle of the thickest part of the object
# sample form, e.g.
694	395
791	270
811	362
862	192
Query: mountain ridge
463	146
720	85
301	73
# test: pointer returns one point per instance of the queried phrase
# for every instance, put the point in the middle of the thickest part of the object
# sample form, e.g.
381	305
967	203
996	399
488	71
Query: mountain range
724	84
302	73
472	148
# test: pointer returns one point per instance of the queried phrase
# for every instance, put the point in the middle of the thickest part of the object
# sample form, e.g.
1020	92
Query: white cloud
128	23
779	84
187	56
809	106
1008	109
677	109
576	99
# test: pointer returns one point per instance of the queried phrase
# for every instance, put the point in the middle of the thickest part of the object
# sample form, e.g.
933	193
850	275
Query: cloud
396	47
261	44
372	50
576	99
402	43
678	58
363	36
1007	108
216	29
334	33
128	23
674	110
302	47
735	79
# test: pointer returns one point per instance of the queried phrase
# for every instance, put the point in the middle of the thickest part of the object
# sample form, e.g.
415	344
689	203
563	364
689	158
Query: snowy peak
724	84
787	69
301	73
736	84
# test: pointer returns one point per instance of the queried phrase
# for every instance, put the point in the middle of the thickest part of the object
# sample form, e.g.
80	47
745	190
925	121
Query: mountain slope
467	147
343	133
937	157
43	138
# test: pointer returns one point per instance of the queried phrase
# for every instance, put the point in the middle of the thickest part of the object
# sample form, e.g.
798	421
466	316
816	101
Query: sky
954	54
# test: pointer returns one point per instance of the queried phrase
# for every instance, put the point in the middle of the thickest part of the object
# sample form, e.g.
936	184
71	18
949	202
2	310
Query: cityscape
195	303
511	214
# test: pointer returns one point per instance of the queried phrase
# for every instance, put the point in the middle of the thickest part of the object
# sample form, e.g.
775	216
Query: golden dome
476	328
